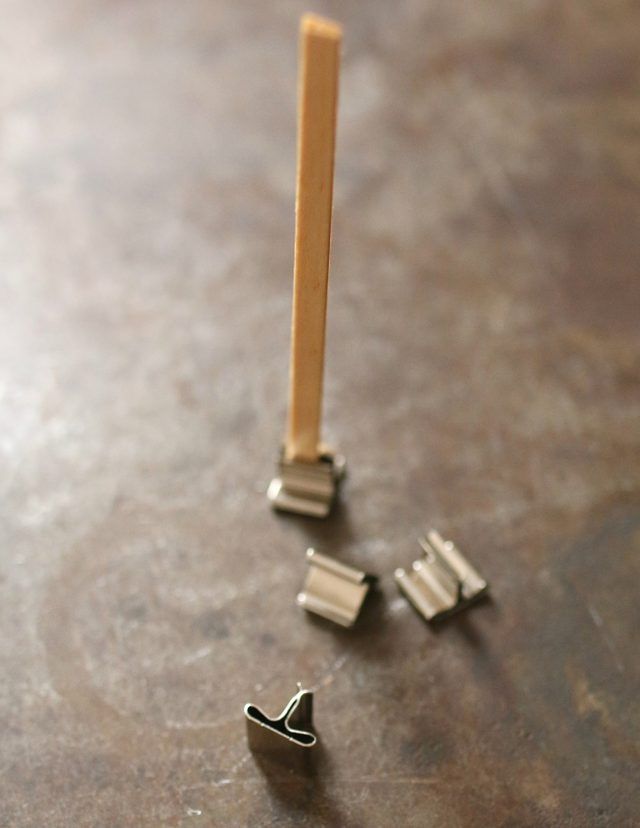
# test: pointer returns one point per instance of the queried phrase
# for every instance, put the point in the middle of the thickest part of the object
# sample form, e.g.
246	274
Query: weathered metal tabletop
482	377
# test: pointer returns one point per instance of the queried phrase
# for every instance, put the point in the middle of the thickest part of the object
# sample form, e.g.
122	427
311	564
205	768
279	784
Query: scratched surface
482	377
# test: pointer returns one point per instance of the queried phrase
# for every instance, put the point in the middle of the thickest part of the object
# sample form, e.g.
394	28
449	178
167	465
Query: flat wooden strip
317	101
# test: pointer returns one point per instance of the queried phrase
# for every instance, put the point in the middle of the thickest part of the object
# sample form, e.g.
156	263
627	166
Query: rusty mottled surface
482	377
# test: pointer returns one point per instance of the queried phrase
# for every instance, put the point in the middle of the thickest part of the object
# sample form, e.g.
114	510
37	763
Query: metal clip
334	590
443	581
291	730
307	488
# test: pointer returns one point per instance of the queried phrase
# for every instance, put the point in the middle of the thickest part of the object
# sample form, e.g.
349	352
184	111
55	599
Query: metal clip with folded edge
289	732
333	589
443	581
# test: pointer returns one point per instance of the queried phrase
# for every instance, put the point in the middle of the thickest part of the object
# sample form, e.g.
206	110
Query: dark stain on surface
213	624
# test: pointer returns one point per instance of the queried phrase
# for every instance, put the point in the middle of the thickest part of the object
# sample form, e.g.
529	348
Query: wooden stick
317	101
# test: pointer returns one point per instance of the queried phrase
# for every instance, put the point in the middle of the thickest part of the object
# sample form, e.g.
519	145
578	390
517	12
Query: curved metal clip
334	590
307	488
443	581
293	728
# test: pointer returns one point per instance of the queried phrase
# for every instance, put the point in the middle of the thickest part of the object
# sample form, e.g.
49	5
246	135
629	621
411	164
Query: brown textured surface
482	376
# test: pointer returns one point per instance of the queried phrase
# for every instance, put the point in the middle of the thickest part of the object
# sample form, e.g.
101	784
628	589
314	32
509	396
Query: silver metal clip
291	730
334	590
443	581
307	488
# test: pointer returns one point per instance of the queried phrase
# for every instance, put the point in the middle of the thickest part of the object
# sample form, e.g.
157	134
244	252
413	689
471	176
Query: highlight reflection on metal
441	582
307	488
334	590
291	730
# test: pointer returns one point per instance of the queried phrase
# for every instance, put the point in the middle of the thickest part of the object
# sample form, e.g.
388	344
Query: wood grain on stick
317	102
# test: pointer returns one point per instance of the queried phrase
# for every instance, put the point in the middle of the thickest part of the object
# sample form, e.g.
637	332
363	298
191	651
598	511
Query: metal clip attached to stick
334	590
443	581
291	730
307	488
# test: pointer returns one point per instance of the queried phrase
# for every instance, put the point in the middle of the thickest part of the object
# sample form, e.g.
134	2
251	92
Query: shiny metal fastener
442	582
290	731
334	590
307	488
